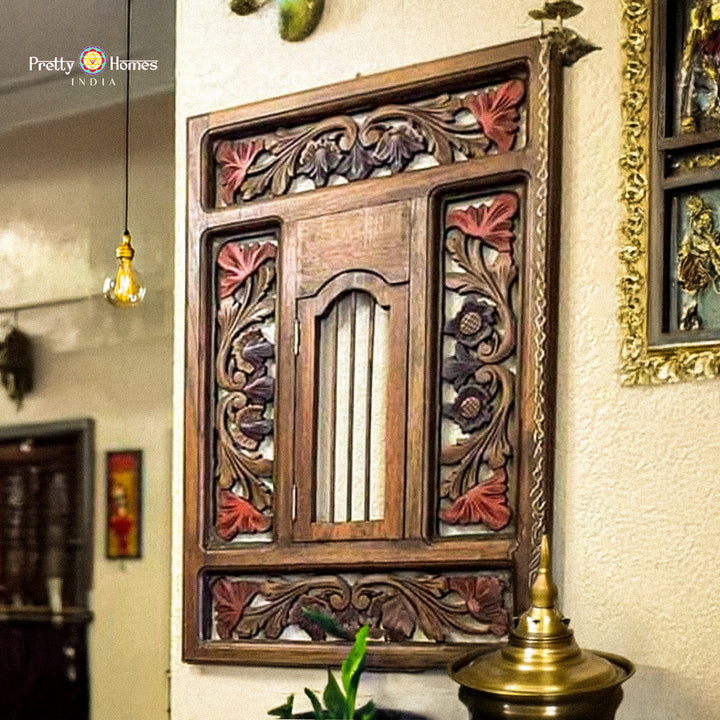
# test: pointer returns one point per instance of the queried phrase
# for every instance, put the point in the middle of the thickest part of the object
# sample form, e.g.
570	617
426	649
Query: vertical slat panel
365	304
378	418
326	420
342	417
351	302
333	404
369	408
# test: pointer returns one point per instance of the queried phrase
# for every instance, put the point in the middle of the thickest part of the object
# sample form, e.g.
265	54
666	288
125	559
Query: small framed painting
124	506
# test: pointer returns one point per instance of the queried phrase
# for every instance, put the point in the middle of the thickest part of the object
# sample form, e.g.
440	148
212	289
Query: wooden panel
360	180
373	238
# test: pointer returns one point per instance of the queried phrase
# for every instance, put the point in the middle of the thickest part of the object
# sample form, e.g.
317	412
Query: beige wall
638	504
61	199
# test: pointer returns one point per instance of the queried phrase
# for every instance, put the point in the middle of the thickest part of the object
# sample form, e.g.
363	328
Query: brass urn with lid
541	672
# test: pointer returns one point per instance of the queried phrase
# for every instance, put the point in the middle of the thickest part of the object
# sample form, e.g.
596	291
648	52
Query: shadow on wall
663	695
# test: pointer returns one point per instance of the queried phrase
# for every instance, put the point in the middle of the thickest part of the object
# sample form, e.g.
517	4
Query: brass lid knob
541	657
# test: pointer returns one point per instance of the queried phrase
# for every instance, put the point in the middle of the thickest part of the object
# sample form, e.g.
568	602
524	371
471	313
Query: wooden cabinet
46	532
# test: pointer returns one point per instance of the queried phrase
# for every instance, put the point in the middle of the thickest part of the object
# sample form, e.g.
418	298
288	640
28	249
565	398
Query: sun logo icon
92	60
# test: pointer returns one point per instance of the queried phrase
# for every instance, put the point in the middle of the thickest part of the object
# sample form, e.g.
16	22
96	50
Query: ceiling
47	30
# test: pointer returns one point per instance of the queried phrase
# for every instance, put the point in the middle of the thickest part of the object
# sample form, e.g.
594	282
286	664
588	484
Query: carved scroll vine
387	140
244	388
474	489
396	607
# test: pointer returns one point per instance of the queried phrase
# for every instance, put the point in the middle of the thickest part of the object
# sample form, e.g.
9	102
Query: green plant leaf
366	712
317	707
334	699
352	667
284	710
327	622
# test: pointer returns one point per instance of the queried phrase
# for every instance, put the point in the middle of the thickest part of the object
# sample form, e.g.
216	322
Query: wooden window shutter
371	301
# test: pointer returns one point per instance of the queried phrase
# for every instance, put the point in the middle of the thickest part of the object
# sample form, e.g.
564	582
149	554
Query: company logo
92	60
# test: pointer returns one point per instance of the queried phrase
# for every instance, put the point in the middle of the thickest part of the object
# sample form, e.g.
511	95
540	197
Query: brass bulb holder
125	249
542	672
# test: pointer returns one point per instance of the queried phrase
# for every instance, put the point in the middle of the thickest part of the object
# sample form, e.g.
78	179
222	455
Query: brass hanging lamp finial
541	671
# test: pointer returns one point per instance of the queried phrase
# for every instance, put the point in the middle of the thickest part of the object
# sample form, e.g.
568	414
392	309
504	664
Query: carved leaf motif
497	112
398	618
238	261
493	224
459	368
357	163
486	503
319	159
397	146
483	596
234	160
236	515
231	598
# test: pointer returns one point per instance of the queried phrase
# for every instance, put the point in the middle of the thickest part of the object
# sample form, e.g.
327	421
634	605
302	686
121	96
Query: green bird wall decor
298	18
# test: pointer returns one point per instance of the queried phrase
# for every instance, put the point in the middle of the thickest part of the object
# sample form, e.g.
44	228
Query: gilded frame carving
643	361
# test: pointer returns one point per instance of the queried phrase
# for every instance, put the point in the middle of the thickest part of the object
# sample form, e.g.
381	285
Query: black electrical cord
127	110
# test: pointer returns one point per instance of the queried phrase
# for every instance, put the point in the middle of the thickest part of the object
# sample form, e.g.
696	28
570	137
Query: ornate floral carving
230	600
486	503
449	128
397	607
497	112
234	160
245	390
484	330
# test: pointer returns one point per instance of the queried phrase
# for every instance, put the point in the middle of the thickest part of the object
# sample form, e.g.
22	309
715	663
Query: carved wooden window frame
241	229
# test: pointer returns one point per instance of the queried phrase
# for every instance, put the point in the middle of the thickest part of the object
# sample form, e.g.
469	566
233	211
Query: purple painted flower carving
472	409
398	146
320	158
474	323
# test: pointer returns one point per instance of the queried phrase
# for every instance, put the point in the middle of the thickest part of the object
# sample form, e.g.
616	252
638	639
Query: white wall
638	506
61	215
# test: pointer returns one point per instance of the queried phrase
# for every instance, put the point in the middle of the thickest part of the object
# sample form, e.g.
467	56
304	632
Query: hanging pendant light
125	287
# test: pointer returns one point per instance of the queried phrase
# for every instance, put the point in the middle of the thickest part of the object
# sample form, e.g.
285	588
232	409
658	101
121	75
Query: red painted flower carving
497	112
238	261
237	515
235	159
493	223
231	599
486	504
483	596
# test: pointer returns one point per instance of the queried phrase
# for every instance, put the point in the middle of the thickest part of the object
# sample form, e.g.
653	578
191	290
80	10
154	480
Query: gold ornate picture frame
670	280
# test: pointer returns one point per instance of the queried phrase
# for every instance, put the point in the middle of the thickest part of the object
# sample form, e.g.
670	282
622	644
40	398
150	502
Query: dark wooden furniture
371	302
46	553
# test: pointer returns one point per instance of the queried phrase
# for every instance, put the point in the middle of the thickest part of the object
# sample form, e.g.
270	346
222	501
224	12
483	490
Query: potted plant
339	699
